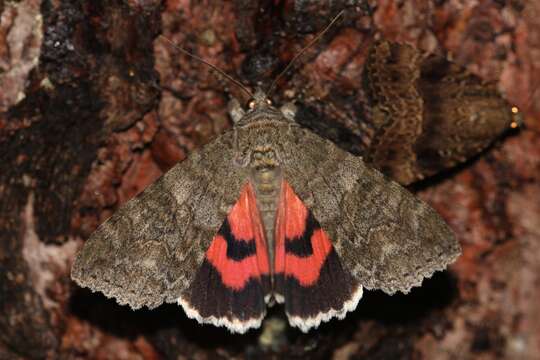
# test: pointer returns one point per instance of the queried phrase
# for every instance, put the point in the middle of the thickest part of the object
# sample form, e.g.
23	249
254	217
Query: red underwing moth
267	212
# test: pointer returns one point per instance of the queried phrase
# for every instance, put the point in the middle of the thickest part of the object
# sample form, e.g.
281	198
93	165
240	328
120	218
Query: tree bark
94	106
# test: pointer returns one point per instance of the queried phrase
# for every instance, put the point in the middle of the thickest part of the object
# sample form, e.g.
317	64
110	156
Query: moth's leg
289	111
235	110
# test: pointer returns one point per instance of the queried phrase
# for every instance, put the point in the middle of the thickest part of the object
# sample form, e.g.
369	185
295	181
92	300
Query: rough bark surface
94	106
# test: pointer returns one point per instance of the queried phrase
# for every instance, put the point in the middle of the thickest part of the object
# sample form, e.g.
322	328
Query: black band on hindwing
237	250
301	246
211	297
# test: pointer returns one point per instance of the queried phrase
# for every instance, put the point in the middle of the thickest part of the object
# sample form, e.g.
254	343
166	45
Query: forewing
147	252
386	237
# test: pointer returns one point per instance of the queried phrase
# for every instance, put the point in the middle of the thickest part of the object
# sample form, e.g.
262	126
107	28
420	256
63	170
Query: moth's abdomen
267	184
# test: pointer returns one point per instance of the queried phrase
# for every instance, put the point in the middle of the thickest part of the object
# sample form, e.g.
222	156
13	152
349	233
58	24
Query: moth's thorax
265	172
266	177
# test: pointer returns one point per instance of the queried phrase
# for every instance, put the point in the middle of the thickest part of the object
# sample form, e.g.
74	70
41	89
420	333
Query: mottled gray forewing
150	249
385	236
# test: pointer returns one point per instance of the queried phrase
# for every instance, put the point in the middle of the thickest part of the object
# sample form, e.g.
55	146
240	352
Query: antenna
214	67
310	44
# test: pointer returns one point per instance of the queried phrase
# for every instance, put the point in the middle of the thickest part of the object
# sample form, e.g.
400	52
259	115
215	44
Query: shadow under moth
268	212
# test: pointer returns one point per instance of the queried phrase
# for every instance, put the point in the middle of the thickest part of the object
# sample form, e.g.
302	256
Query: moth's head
260	108
259	101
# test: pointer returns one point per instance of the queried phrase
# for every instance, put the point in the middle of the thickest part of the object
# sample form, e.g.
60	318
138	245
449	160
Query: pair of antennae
281	74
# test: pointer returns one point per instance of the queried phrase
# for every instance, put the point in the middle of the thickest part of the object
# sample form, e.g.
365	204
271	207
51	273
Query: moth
426	113
268	212
413	114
